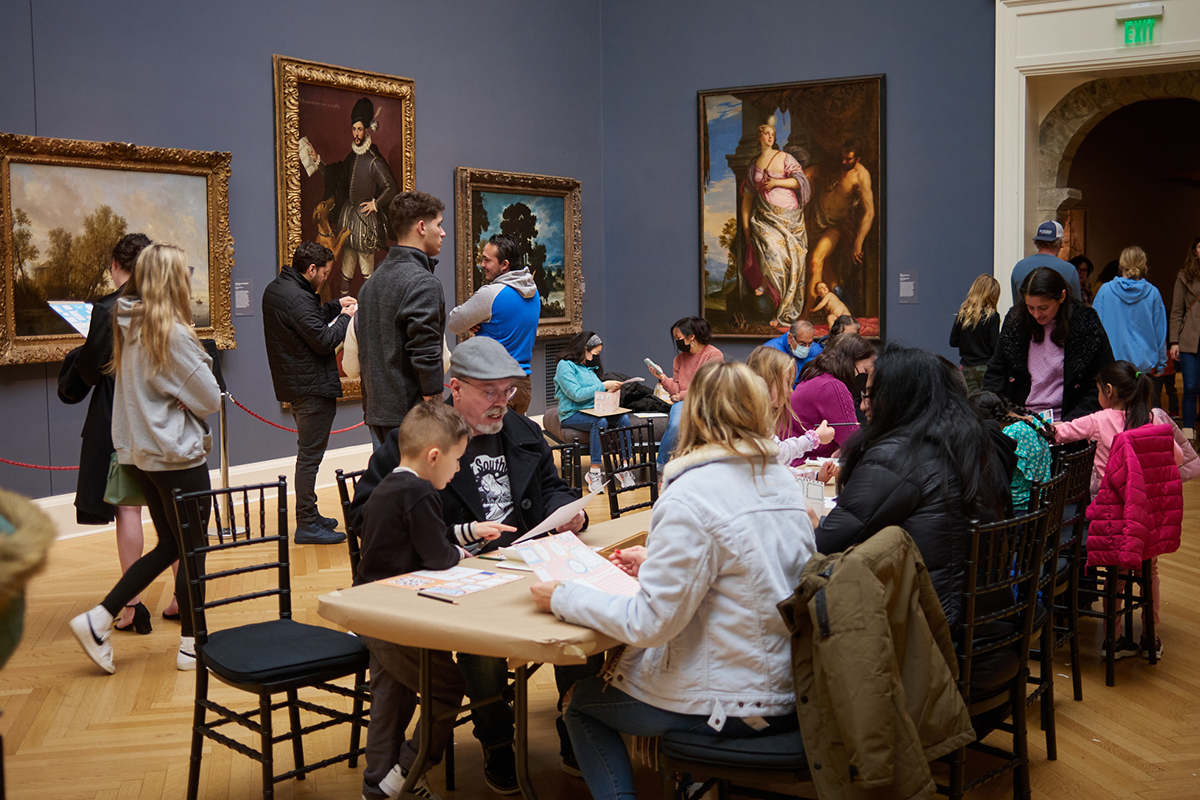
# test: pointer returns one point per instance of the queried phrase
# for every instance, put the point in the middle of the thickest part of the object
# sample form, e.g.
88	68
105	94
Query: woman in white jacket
164	391
709	651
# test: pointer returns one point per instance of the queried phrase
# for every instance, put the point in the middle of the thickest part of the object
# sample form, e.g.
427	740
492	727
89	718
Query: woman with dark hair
922	462
691	336
1031	436
826	390
1184	333
1083	265
1050	349
576	381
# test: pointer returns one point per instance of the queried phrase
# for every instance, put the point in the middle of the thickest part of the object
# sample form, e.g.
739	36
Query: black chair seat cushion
280	650
778	751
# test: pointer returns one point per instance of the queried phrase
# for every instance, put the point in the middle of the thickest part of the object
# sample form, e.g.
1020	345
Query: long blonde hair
727	405
981	301
161	289
778	370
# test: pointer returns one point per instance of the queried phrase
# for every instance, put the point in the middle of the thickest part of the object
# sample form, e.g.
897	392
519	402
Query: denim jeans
314	419
1190	364
598	715
487	676
669	435
586	422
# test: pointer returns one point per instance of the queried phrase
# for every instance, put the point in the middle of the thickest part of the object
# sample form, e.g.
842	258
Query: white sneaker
625	479
186	660
92	629
391	783
594	480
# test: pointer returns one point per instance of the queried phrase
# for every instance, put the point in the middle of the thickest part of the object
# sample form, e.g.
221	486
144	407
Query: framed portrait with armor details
344	147
791	206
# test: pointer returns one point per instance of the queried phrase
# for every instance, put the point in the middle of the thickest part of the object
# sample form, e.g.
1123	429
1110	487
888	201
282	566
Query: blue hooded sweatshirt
1135	320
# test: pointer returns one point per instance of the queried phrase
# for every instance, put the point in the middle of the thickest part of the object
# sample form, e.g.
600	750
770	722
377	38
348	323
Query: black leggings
159	488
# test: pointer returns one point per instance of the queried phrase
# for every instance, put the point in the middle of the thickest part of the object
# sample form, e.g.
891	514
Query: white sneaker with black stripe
186	660
92	629
391	783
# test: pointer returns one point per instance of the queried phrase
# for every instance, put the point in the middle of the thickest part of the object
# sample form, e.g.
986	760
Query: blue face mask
801	350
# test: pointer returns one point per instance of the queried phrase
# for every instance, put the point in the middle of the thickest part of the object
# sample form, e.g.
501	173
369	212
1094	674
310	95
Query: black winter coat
301	344
1085	352
82	370
536	486
882	492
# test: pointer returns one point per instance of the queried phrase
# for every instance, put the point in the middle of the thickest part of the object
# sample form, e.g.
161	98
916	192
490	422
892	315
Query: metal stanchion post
231	530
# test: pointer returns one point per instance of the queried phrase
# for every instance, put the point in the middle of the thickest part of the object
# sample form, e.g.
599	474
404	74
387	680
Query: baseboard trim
61	508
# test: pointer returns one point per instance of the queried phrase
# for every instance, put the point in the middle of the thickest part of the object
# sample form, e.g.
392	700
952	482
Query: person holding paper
508	475
403	532
709	652
692	337
575	387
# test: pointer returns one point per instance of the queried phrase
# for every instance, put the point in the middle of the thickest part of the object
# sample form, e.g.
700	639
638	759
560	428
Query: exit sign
1139	20
1139	31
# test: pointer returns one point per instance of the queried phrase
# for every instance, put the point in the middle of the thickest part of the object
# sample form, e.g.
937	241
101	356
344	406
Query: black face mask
682	345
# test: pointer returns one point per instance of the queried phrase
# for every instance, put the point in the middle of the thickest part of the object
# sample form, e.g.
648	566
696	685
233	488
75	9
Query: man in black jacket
300	350
507	475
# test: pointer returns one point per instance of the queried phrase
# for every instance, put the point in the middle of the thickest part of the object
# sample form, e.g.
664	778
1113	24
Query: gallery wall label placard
243	305
908	288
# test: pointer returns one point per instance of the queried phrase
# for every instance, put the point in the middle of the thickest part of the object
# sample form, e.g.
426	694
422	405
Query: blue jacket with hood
1135	320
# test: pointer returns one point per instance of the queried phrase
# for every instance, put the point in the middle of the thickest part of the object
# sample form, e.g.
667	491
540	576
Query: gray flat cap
482	359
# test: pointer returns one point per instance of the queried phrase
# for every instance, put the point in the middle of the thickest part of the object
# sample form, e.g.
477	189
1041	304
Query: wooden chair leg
360	680
1148	608
268	754
450	764
1047	674
1073	634
1110	625
1021	786
297	740
198	723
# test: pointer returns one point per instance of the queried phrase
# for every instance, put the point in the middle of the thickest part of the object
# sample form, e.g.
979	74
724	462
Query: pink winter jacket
1103	426
1138	513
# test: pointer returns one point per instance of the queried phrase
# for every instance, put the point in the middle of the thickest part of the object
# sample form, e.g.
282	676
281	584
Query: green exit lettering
1139	31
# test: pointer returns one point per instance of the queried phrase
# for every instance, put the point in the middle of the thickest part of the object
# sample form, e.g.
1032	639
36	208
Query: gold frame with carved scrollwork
468	180
213	166
289	74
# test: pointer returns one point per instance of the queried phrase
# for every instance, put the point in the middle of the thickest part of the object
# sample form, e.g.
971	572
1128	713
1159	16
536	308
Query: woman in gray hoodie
164	391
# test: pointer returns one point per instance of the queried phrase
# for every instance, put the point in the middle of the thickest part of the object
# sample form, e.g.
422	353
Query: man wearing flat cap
506	474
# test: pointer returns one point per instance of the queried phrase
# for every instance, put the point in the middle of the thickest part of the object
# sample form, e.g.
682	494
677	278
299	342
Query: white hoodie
149	429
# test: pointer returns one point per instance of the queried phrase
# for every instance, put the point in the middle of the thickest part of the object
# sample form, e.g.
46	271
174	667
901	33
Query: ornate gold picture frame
544	214
317	107
63	206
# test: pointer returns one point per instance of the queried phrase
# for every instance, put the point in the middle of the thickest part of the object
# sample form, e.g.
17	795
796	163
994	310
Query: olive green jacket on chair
874	671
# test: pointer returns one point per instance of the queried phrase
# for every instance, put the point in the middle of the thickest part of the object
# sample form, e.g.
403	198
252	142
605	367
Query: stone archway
1069	123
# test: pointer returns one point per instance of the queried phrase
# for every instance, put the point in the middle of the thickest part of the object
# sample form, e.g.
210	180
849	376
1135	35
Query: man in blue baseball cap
1048	241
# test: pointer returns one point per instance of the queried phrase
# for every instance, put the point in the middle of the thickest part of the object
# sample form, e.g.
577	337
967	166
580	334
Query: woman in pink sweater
824	391
1124	395
692	336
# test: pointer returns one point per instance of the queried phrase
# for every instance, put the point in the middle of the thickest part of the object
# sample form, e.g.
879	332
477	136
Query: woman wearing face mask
826	390
692	336
1050	349
576	381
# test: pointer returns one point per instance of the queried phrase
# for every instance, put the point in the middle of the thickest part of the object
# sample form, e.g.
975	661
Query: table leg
424	723
521	717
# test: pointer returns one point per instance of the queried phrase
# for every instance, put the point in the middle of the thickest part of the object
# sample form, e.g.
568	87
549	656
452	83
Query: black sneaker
500	769
316	533
1145	646
328	522
1125	648
569	765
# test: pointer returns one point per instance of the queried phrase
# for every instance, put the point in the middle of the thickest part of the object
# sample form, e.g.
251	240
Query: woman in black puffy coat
923	462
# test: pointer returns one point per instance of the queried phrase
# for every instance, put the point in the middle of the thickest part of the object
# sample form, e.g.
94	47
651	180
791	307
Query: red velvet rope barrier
235	402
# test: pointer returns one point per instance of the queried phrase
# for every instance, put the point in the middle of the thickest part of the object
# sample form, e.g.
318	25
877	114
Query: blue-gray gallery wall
512	85
599	90
938	59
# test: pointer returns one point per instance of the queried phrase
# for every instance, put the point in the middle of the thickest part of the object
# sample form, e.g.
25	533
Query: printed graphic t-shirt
484	457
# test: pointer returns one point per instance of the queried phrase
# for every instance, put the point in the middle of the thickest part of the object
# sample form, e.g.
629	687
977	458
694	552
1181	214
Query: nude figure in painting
841	197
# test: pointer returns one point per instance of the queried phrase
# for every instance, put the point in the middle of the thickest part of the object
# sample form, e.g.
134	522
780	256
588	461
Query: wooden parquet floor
73	733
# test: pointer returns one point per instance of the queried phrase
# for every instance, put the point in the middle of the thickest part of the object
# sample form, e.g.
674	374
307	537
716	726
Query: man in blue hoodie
506	309
1133	315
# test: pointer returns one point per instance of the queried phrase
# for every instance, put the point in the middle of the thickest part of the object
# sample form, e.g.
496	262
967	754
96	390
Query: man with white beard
507	475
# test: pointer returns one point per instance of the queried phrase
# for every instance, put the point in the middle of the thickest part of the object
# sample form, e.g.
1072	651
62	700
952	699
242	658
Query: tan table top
501	621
